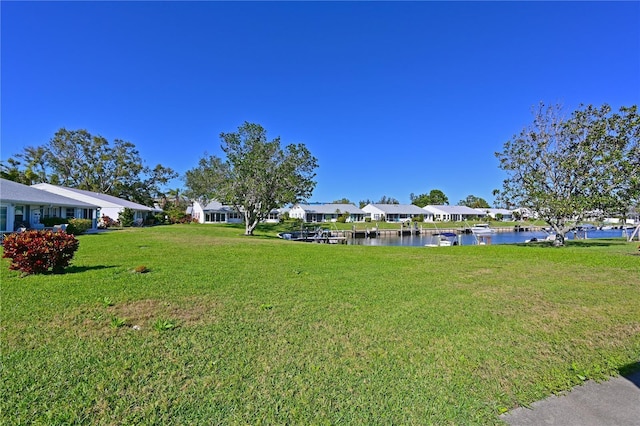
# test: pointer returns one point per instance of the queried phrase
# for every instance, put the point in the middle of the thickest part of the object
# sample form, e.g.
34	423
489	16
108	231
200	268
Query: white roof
396	208
330	208
102	200
217	207
461	210
18	193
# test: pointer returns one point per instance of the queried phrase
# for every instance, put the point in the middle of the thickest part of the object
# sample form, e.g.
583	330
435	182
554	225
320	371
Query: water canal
469	239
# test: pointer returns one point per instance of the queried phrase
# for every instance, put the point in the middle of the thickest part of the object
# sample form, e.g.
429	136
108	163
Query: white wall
297	212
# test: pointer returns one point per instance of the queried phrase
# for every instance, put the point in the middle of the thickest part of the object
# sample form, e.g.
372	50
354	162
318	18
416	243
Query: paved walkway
615	402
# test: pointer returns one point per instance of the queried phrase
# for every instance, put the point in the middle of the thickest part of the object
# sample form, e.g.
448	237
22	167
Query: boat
304	234
482	229
313	236
444	239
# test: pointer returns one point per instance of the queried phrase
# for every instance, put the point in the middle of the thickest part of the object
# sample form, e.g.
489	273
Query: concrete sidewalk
615	402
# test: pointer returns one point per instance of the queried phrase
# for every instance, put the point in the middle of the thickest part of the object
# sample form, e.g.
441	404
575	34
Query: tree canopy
383	200
474	202
256	176
343	200
564	169
435	197
78	159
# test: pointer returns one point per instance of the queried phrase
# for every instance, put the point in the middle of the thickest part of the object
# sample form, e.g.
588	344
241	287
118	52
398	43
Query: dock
375	232
335	236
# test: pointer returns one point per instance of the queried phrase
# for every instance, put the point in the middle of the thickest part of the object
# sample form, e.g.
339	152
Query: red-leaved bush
35	252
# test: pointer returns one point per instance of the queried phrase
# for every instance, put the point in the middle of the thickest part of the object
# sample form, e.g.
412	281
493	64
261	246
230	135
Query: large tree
474	202
564	169
343	200
78	159
387	200
435	197
257	175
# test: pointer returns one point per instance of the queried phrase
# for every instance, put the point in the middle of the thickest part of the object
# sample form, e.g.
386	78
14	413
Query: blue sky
392	98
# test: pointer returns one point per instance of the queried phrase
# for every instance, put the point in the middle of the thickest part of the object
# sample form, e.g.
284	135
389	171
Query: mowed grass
227	329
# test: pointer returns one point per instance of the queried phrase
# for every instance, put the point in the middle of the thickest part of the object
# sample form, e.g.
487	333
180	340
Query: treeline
435	197
78	159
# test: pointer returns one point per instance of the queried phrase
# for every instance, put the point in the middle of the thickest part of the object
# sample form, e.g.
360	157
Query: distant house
313	213
450	213
524	213
504	214
216	212
393	212
108	204
24	206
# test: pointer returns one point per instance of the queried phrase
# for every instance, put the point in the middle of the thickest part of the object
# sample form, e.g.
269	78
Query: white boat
482	229
444	239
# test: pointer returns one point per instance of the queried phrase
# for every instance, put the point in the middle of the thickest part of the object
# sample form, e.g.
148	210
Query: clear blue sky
392	98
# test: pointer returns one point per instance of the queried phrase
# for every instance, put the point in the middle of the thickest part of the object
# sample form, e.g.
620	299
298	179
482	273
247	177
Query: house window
19	215
3	218
214	217
51	212
70	212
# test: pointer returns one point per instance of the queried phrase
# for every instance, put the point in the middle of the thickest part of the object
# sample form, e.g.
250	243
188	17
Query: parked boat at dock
482	229
318	235
443	239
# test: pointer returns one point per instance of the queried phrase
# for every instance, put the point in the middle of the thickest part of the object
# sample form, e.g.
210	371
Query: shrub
35	252
160	218
126	217
150	220
343	217
78	226
52	221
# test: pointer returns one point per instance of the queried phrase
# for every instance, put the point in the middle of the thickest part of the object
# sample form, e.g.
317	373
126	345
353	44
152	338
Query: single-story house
311	213
393	212
108	205
450	213
216	212
24	206
524	213
505	214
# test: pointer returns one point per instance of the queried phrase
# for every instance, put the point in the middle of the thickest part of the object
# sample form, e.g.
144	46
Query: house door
18	217
35	217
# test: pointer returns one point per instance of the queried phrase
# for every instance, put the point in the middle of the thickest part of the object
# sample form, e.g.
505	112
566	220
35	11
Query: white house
326	212
393	212
24	206
450	213
108	204
505	214
216	212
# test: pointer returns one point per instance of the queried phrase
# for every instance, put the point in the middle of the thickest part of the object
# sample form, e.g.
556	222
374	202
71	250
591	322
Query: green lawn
226	329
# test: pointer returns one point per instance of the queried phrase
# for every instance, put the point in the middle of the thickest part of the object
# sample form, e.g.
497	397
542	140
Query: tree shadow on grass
574	243
79	269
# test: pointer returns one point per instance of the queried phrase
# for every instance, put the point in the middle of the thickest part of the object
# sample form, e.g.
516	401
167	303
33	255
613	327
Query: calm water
468	239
